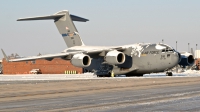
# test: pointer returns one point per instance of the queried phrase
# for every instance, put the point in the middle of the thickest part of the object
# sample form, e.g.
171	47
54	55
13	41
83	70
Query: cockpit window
167	50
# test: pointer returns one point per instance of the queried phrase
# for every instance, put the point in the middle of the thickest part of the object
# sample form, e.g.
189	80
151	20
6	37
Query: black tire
99	75
140	75
169	74
109	74
134	75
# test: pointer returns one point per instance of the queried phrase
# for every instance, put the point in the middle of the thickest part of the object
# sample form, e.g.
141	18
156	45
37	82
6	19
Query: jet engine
115	57
187	59
81	60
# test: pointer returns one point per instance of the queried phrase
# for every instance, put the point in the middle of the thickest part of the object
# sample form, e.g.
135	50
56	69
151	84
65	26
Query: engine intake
187	59
115	57
81	60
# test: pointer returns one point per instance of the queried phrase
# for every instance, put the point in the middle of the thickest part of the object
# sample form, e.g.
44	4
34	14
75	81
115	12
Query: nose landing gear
169	74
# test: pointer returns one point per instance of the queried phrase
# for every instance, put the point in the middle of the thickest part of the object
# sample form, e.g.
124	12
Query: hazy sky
112	22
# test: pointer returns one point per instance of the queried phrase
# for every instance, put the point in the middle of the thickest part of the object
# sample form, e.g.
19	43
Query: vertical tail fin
65	26
5	56
68	30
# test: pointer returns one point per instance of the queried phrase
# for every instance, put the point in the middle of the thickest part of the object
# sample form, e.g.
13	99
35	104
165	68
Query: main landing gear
110	74
134	75
169	74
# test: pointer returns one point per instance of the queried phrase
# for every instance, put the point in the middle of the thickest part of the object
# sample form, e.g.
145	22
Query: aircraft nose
179	56
176	58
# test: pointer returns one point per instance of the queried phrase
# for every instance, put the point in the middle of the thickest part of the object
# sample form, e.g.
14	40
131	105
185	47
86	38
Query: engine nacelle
187	59
115	57
81	60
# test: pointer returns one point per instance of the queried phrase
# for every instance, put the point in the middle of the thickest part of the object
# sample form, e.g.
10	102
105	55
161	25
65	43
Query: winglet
4	54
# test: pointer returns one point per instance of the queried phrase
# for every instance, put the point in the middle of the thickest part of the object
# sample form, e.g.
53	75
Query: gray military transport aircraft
131	60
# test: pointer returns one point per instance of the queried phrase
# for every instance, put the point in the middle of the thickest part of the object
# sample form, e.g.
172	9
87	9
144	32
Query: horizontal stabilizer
42	17
54	17
77	18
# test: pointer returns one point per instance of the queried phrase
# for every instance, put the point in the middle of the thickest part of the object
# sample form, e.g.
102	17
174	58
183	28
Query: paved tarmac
23	77
28	77
102	95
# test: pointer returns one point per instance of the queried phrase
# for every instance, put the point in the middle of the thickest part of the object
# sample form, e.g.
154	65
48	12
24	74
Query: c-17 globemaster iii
131	60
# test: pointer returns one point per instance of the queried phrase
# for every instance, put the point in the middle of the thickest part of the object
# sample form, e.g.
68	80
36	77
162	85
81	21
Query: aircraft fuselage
140	59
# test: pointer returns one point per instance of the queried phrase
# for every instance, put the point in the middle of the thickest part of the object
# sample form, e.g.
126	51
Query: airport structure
197	57
197	54
0	66
55	66
198	63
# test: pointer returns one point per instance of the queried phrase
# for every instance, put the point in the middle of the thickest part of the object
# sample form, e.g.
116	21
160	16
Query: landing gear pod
115	57
81	60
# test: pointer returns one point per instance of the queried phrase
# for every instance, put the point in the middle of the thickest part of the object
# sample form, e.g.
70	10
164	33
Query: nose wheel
169	74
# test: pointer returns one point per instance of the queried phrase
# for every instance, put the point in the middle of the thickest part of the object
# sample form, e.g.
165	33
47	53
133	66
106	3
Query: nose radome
179	56
176	58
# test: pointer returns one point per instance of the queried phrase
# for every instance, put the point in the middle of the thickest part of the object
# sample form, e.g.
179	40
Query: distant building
1	67
197	54
197	62
197	57
56	66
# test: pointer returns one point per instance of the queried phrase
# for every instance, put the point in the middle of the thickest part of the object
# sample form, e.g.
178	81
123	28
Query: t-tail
65	25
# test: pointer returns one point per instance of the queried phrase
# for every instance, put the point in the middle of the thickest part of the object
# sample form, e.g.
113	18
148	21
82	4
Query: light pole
162	40
176	65
196	52
196	46
188	47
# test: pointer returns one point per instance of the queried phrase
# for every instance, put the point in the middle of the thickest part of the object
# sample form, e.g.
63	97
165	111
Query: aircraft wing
63	55
47	57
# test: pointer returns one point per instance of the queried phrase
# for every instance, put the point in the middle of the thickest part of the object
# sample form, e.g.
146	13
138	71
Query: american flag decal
64	35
